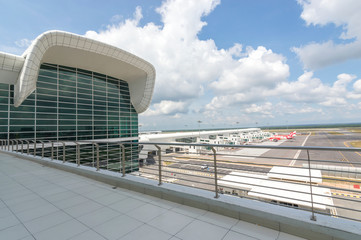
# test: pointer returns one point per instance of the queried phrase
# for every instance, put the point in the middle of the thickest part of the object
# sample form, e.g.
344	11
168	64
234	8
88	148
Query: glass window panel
42	79
47	104
67	122
63	128
46	128
67	88
86	117
46	91
3	114
46	98
67	81
83	122
3	121
46	73
4	94
68	105
67	116
85	101
4	86
84	96
22	108
85	91
46	122
21	122
4	100
21	115
46	109
67	94
3	107
66	100
46	116
67	110
86	112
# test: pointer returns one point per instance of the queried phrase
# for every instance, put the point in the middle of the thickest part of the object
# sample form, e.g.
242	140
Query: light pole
199	129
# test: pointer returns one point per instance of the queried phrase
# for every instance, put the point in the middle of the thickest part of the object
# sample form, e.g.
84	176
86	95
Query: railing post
12	145
313	217
17	145
52	150
215	172
160	164
8	144
63	152
22	146
27	151
97	149
77	153
122	169
42	149
34	148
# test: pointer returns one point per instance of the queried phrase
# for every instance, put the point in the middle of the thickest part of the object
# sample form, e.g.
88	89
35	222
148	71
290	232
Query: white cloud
357	86
185	64
182	61
167	108
345	14
265	109
23	43
260	67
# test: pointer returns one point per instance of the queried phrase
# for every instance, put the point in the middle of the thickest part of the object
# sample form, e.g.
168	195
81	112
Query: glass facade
70	104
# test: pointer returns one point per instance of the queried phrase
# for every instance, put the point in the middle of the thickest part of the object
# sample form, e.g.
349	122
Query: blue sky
226	63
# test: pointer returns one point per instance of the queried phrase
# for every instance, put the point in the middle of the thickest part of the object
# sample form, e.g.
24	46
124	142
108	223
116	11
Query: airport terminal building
66	87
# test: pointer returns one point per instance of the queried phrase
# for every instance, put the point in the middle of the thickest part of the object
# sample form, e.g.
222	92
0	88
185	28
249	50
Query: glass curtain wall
70	104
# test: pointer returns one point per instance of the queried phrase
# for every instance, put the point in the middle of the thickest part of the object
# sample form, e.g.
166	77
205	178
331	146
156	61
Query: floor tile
147	232
23	206
285	236
146	212
83	208
60	196
8	221
47	221
255	231
189	211
218	220
88	235
165	203
110	198
126	205
117	227
14	232
36	212
202	230
237	236
98	216
171	222
70	202
62	231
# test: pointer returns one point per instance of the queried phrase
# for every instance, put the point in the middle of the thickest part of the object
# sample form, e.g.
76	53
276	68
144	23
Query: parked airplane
276	138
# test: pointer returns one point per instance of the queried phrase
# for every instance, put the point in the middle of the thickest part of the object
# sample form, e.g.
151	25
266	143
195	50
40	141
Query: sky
225	63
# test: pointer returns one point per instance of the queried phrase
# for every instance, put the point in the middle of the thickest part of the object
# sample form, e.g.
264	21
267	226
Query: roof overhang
72	50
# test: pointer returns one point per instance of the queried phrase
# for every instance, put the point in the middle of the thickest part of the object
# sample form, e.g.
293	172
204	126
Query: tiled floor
38	202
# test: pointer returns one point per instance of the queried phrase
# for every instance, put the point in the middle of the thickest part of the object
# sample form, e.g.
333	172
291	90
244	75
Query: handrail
117	153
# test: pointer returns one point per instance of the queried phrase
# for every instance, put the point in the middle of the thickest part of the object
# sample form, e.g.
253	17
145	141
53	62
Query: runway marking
298	152
344	159
346	195
345	143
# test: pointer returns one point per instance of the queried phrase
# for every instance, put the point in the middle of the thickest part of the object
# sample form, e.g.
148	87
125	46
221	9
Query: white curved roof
72	50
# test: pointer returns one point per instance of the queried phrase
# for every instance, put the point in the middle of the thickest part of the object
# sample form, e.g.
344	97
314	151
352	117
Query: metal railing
302	177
